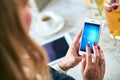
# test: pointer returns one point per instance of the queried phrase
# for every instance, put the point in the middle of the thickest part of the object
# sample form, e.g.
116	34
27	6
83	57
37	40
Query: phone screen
90	35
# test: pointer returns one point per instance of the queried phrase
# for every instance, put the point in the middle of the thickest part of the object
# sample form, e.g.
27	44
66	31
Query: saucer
50	27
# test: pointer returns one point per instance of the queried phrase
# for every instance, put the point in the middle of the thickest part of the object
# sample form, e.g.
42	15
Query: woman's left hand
72	57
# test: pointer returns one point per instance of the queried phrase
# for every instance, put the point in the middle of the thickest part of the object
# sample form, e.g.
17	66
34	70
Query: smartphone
90	34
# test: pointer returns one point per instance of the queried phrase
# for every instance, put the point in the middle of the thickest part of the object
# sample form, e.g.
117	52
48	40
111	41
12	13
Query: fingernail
88	45
98	47
94	44
83	55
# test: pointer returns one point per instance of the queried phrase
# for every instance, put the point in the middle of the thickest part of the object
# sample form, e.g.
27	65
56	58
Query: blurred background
52	18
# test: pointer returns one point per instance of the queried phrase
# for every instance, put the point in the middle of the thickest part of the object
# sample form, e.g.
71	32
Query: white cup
47	22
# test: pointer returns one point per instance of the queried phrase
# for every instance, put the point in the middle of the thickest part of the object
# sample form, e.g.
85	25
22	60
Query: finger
76	43
77	46
104	64
78	58
102	59
88	56
74	50
77	38
96	54
99	50
83	63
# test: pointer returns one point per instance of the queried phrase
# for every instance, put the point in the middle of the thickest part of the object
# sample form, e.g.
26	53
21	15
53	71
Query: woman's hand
72	57
93	70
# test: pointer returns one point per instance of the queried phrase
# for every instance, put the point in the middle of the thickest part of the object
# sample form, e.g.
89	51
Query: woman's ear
26	17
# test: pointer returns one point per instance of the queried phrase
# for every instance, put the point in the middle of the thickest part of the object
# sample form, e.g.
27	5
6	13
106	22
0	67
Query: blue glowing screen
90	36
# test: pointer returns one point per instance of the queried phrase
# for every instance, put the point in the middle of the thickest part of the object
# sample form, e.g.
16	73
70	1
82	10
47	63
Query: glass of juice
95	8
113	18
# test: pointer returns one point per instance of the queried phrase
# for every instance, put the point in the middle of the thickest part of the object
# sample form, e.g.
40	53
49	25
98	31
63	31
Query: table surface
74	12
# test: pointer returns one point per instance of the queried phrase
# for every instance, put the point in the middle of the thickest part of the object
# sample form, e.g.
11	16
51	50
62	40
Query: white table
74	12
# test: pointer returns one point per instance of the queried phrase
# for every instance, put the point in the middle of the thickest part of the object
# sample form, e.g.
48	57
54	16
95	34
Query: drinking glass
112	10
95	8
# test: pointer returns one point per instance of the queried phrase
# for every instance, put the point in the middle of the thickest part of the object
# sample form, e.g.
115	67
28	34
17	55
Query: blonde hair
14	43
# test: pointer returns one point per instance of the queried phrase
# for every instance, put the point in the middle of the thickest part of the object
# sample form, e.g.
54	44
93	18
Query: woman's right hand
93	70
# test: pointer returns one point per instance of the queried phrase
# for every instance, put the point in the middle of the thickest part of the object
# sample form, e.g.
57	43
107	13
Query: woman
22	59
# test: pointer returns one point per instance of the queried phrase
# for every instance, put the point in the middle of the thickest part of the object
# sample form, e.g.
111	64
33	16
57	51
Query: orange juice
113	20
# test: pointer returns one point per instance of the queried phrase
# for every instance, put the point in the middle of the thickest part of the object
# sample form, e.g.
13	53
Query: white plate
49	28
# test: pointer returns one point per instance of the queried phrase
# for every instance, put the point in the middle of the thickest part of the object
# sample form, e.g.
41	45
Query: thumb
78	58
83	63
